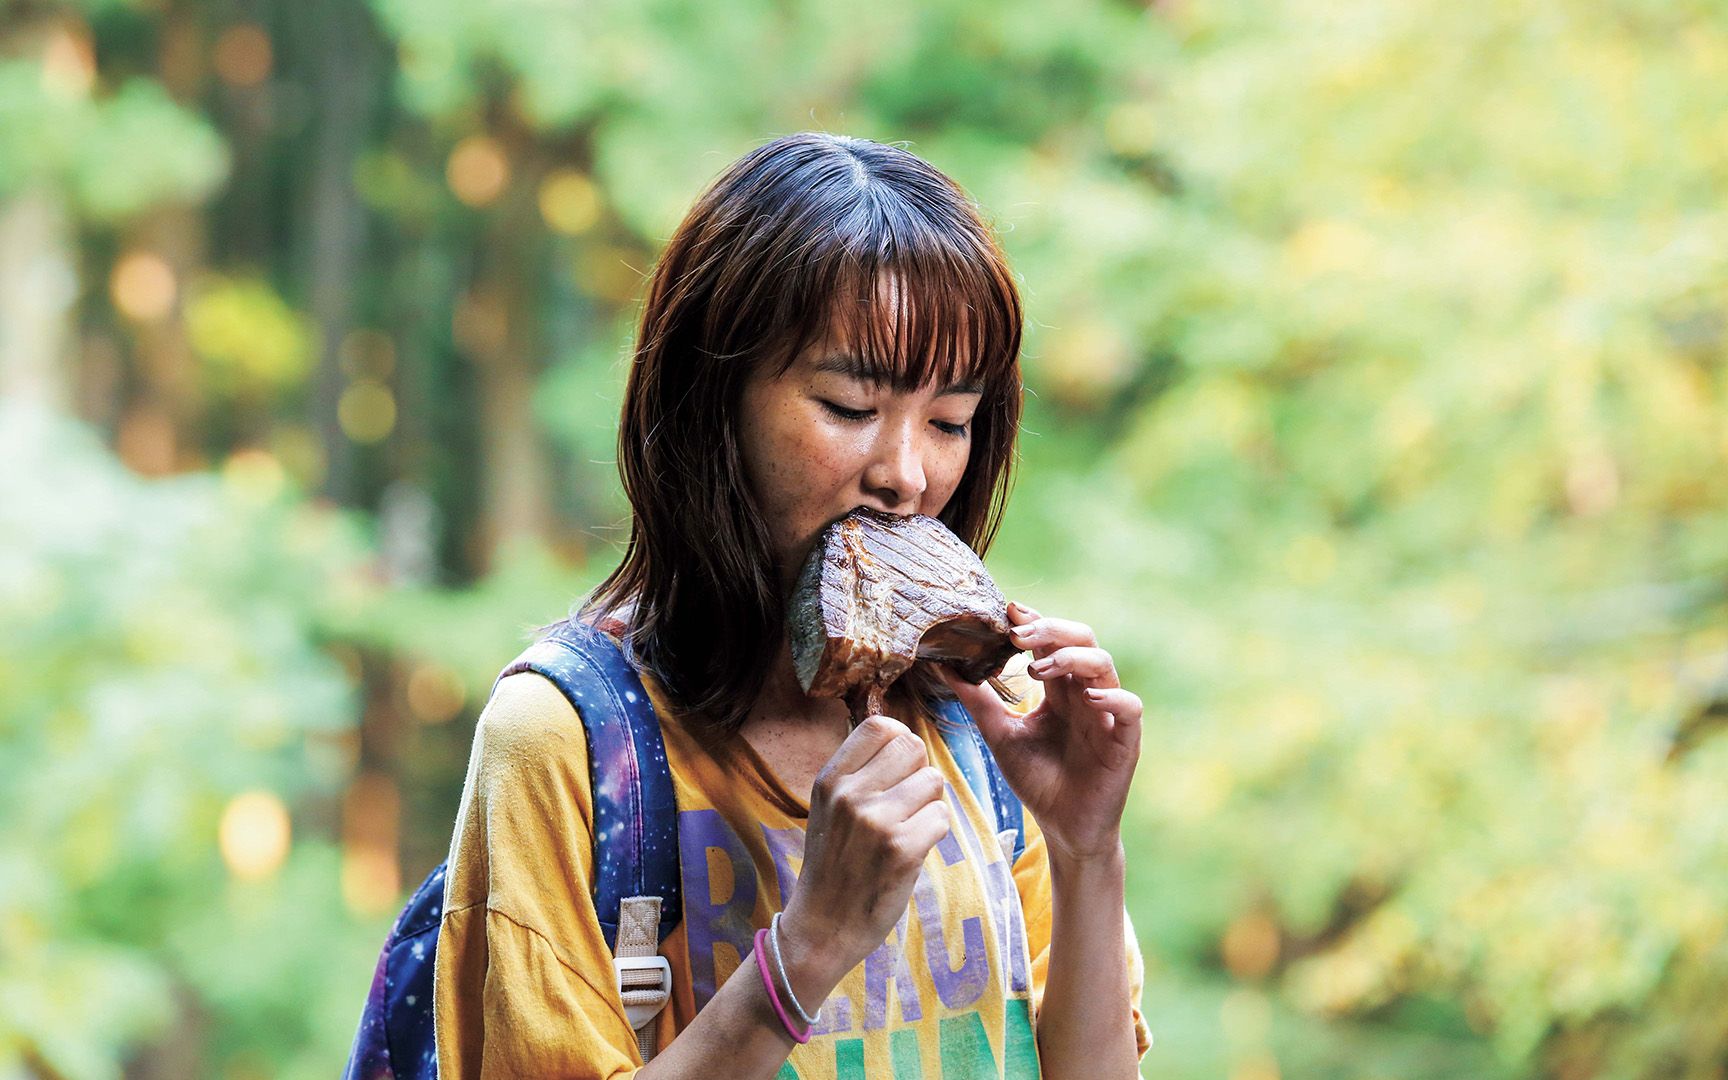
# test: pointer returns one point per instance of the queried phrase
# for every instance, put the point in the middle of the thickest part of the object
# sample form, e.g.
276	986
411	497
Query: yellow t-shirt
524	984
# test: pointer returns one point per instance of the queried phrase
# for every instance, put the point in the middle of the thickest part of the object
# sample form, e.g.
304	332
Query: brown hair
806	235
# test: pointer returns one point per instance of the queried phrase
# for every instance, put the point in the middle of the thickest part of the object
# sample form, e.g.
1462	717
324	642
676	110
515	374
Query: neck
783	702
782	698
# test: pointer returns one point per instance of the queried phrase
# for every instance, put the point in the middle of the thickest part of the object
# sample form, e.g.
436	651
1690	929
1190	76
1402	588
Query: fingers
898	754
1124	707
924	830
1044	635
1088	663
912	793
863	744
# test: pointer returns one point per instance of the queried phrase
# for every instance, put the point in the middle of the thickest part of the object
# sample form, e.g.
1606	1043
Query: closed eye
847	414
859	415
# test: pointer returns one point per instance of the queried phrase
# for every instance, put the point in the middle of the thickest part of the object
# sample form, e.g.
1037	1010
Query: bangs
920	294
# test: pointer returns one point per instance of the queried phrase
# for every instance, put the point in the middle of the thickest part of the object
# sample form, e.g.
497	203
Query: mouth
883	515
797	556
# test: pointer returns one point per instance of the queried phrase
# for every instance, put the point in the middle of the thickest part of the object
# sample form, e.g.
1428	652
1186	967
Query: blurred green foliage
1376	396
161	657
53	135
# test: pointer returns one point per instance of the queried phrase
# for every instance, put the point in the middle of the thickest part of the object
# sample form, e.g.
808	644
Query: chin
791	551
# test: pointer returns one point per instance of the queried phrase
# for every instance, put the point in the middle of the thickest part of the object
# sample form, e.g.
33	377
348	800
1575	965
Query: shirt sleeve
524	983
1032	880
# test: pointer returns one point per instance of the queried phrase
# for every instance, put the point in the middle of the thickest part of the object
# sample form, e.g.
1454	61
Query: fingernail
1040	666
1094	695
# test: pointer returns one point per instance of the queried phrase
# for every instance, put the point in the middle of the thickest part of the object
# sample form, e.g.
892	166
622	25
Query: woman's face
822	439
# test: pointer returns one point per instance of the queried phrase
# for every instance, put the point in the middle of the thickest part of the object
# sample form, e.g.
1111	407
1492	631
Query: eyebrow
853	367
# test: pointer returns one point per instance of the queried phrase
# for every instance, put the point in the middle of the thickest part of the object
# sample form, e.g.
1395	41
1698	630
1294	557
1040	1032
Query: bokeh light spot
253	341
254	835
569	202
371	822
478	170
243	55
255	475
367	412
146	441
68	62
435	694
1250	945
1259	1067
143	286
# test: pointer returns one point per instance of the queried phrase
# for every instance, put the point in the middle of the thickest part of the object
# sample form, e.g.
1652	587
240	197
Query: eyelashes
859	415
844	413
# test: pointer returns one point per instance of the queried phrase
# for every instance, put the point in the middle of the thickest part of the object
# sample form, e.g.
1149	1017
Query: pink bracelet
773	994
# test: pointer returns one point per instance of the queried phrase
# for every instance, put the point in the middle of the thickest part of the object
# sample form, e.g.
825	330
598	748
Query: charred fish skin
841	616
804	624
879	592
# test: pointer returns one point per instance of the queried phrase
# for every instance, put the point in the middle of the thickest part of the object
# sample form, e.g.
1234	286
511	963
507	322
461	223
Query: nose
894	478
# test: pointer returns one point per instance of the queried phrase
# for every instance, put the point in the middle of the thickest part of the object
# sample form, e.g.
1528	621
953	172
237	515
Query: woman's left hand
1071	758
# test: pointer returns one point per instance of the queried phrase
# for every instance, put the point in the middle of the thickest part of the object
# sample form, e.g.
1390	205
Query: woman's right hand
876	810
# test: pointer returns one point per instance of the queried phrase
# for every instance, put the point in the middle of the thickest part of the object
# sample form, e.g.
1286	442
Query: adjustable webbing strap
644	976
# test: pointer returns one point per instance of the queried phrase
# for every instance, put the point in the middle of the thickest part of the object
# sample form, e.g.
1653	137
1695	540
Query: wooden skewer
867	701
1008	696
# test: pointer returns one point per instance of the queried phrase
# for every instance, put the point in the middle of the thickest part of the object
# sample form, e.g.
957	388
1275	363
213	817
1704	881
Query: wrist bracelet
774	995
780	966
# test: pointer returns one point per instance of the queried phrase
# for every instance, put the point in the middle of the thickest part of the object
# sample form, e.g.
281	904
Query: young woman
832	326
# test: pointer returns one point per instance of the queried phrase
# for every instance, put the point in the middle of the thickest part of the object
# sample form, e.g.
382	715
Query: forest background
1376	420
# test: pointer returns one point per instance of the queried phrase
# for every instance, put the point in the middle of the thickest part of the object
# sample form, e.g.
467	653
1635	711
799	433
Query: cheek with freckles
801	473
945	477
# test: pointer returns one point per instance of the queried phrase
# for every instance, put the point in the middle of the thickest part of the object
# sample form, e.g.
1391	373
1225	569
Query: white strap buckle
643	1003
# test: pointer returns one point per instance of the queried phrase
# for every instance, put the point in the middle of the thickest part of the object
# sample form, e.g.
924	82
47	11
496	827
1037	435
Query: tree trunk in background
338	45
247	115
38	283
161	428
500	330
161	422
38	266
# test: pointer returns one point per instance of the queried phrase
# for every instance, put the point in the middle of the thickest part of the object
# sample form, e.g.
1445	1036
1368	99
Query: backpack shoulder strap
636	887
983	776
635	813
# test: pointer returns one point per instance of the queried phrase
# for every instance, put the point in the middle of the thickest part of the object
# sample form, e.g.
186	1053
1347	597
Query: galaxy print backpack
636	882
